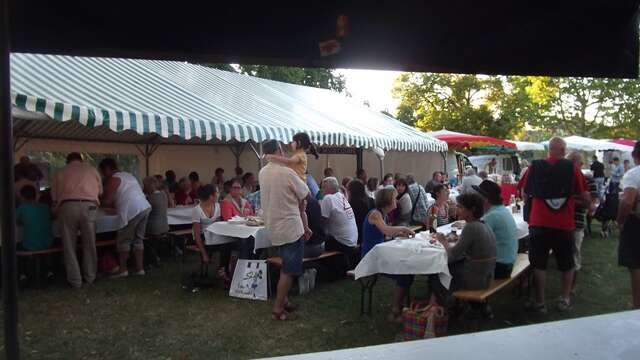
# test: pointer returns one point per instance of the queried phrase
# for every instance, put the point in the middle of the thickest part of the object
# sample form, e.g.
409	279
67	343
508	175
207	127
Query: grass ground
151	317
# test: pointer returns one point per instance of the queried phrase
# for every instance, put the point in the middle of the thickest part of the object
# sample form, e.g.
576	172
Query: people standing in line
403	203
123	193
597	168
469	180
556	186
629	222
500	220
157	223
375	230
76	192
419	202
617	172
300	144
283	195
436	179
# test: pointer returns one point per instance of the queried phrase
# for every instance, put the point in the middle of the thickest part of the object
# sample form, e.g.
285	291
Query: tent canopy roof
528	146
140	99
560	38
575	142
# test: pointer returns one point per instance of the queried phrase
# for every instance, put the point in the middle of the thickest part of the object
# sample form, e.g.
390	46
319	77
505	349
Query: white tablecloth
180	215
521	226
222	232
406	257
104	223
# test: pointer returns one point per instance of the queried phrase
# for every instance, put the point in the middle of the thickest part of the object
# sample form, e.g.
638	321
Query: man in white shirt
469	181
339	219
282	196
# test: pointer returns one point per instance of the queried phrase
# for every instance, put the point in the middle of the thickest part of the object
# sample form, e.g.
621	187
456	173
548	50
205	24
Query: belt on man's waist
78	200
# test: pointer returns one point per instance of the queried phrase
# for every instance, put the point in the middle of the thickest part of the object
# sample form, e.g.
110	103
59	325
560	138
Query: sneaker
119	275
140	273
564	304
312	278
533	306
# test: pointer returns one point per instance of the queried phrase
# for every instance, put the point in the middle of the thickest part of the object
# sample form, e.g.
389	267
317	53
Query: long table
611	336
222	232
521	226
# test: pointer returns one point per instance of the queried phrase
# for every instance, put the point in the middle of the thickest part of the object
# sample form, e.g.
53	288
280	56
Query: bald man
552	188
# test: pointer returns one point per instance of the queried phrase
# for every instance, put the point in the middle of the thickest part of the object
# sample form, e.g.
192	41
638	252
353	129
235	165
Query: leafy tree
315	77
466	103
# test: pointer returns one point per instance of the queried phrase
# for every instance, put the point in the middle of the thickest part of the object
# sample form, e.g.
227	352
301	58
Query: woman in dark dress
360	202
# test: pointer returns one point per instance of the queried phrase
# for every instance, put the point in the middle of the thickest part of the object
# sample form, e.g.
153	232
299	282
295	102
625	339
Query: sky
373	86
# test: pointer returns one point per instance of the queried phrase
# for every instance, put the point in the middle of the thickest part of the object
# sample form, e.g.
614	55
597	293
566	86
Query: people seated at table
439	212
76	191
170	181
469	180
254	200
204	214
436	179
314	188
360	203
361	174
123	193
328	172
238	172
418	202
472	259
157	223
249	183
194	179
183	194
218	178
345	183
374	230
234	204
387	180
339	219
500	220
314	247
404	205
34	222
372	187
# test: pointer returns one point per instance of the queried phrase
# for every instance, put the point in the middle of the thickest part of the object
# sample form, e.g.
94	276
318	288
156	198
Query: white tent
528	146
586	144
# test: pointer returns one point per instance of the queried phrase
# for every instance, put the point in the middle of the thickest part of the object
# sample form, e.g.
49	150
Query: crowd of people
351	216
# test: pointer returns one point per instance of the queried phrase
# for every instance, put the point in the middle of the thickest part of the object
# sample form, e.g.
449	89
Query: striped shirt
580	216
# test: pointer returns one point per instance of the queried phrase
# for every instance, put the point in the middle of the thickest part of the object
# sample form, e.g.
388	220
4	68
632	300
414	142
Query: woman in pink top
234	204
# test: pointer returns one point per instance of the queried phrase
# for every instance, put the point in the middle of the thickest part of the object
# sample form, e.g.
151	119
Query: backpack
552	183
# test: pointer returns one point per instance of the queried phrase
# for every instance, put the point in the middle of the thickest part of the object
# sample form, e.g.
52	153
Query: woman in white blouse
204	214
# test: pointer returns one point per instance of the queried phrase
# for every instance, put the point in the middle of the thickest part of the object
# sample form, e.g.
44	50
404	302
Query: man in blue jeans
282	195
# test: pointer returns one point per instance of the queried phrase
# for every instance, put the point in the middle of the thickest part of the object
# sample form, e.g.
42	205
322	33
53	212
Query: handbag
424	320
249	280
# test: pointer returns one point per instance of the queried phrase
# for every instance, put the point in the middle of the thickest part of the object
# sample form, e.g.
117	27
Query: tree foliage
525	107
314	77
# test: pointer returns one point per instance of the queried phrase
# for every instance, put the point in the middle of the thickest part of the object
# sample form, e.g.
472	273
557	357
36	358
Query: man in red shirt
554	186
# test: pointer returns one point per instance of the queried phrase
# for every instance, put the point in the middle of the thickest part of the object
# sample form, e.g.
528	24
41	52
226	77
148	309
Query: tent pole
359	159
7	210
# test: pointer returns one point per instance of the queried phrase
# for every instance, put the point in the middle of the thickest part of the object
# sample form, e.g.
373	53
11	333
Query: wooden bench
520	267
276	261
39	254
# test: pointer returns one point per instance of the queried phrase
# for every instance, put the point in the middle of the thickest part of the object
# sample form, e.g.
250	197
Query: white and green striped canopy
177	99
